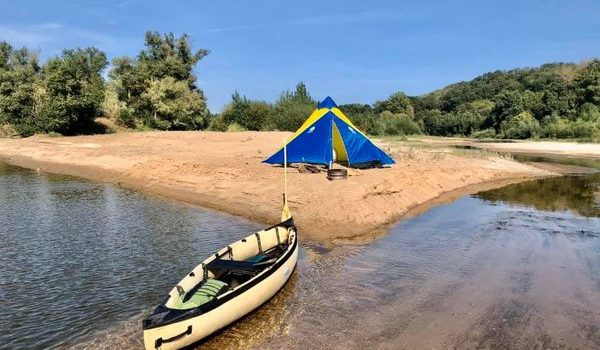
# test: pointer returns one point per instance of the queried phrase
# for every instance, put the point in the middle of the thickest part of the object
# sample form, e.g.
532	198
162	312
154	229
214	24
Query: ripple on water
513	266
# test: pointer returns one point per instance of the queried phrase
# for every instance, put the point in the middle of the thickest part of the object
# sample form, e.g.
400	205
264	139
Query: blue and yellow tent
328	130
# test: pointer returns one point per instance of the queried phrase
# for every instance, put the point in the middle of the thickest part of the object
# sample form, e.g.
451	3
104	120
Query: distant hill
559	100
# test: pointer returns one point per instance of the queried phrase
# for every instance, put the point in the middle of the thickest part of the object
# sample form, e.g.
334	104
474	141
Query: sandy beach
223	171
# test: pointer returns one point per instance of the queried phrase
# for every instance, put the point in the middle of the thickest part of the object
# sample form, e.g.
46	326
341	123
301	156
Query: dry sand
224	171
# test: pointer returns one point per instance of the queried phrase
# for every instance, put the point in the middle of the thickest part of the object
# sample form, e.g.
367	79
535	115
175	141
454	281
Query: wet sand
223	171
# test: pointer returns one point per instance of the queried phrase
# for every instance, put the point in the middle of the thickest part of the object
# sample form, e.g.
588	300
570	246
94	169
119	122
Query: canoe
223	288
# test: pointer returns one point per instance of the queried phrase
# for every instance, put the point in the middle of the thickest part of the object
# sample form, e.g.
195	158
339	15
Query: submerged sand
224	171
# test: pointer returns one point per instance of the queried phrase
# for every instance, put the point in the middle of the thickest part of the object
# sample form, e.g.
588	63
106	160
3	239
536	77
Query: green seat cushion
209	290
258	258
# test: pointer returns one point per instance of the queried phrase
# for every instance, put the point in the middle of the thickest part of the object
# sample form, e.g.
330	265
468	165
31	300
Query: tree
175	106
19	76
73	91
520	126
397	124
164	56
587	83
397	103
168	56
250	115
292	108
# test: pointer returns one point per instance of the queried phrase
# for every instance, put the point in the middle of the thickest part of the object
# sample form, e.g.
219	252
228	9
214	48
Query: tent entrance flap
338	145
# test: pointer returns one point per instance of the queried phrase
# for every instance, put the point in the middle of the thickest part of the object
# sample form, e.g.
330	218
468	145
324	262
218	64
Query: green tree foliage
251	115
292	108
158	87
587	83
63	96
397	103
397	124
520	126
499	101
73	91
175	106
19	77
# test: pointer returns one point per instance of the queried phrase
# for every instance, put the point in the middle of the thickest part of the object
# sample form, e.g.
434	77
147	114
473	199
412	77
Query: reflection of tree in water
580	194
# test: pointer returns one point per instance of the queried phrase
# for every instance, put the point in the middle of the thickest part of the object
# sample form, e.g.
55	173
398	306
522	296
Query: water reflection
469	274
580	194
79	257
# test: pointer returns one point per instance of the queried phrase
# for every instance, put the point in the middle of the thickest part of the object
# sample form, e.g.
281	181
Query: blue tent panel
360	149
312	146
327	103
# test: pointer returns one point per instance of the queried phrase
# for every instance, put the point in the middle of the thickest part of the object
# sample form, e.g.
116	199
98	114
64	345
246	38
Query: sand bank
542	148
224	171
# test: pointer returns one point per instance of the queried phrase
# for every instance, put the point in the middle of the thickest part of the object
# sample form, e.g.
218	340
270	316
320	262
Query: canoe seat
258	258
235	266
206	292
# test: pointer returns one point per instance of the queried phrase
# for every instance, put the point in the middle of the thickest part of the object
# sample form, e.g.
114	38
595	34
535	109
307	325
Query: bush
175	106
126	118
292	108
217	123
251	115
489	133
235	127
111	106
520	126
397	124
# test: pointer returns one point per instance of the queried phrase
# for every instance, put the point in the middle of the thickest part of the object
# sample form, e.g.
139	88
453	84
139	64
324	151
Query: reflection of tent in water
328	136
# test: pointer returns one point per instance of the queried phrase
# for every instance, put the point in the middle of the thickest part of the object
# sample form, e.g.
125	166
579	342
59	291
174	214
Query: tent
326	134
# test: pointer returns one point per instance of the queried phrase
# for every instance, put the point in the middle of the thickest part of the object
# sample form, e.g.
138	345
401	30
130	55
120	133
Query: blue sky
355	51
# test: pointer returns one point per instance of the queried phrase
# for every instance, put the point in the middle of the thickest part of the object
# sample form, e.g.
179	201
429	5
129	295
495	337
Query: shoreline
355	210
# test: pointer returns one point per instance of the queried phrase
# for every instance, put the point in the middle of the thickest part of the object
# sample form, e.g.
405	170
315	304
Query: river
81	263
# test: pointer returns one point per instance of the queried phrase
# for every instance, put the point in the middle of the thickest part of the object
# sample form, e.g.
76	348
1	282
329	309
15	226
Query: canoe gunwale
170	316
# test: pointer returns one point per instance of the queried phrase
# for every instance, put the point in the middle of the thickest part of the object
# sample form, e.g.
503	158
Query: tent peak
327	103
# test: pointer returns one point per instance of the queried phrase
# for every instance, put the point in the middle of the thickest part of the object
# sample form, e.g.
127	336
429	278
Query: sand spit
223	171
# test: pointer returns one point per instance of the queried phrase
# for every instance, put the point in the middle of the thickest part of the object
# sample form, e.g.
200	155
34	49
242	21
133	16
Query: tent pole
285	214
285	172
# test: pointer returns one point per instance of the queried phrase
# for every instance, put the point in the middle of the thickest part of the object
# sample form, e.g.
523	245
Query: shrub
126	118
235	127
292	108
251	115
489	133
397	124
520	126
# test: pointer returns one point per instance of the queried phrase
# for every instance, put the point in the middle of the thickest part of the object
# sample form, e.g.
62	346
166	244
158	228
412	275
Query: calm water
82	263
77	257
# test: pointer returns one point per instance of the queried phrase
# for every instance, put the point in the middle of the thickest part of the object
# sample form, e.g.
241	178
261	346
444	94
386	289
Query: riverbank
542	148
223	171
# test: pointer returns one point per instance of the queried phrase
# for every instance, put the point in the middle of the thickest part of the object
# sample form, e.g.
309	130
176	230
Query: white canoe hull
264	287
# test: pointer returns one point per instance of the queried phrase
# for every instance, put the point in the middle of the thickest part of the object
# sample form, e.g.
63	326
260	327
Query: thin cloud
47	34
235	28
24	36
380	15
390	14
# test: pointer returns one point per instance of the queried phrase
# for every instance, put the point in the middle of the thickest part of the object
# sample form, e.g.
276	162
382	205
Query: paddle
286	213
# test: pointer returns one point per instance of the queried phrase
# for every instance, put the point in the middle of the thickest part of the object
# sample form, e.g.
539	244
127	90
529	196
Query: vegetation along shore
68	94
